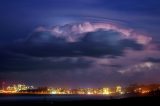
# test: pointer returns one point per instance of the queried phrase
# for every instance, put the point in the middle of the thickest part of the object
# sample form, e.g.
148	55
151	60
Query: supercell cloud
84	39
80	49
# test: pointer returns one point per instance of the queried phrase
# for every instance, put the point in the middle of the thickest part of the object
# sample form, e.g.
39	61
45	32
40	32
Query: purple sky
80	43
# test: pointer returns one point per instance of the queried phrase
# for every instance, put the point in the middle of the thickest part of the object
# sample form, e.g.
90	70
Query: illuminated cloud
142	67
73	32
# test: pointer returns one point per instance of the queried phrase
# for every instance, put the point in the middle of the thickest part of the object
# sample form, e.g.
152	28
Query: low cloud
153	59
27	63
138	68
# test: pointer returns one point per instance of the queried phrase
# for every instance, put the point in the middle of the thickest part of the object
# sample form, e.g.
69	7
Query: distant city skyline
132	90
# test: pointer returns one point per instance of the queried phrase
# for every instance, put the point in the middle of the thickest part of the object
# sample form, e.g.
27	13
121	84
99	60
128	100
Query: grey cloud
153	59
20	64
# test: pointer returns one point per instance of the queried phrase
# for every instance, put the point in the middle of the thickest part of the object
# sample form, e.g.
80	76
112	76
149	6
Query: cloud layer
100	51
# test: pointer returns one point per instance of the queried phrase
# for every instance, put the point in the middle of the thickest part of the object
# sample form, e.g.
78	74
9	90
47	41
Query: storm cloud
96	43
89	53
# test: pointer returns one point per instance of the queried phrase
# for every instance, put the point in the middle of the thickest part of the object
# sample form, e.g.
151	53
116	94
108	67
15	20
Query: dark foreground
132	101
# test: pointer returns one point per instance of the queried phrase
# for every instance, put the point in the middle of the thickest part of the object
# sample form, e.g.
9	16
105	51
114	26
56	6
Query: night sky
80	43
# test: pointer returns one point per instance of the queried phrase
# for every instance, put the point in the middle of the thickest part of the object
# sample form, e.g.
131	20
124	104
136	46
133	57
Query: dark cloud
95	44
43	51
37	64
157	43
153	59
115	66
112	65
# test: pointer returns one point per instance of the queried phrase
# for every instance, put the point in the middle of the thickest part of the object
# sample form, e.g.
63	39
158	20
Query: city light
118	90
53	92
106	91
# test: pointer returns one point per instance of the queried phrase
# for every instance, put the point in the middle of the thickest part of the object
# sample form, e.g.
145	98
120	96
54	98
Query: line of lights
118	90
